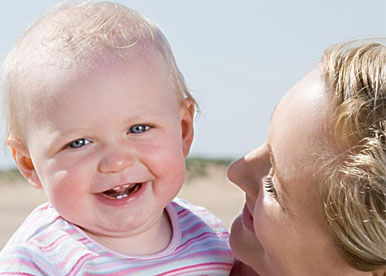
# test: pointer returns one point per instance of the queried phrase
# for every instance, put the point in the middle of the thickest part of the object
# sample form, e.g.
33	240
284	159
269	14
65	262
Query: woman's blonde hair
355	188
67	35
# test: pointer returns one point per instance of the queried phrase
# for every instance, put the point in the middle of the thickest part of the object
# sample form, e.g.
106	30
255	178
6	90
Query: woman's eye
139	128
79	143
268	184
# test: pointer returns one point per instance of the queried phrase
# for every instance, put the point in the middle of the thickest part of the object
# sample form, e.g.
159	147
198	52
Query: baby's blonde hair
355	181
69	33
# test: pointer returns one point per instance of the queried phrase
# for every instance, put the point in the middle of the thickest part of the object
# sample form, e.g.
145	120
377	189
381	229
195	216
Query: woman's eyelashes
268	183
139	129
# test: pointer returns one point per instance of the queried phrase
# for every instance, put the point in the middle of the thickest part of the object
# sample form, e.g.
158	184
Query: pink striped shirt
46	244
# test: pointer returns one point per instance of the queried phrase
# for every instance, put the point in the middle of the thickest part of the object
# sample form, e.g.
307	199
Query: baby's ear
187	116
23	161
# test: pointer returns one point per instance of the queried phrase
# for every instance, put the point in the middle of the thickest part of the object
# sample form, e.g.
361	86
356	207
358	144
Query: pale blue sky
238	57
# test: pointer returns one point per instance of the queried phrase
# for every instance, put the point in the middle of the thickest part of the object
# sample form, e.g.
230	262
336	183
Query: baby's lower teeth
121	196
122	192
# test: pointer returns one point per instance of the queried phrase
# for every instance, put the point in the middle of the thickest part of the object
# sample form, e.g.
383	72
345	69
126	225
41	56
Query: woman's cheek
265	224
272	231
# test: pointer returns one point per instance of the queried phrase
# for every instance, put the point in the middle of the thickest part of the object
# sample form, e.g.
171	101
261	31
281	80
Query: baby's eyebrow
68	135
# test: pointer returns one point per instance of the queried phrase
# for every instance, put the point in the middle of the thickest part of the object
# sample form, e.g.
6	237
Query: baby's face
110	151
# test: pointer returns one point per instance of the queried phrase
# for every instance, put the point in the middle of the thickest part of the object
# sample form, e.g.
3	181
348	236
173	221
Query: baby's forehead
54	74
71	31
50	85
76	36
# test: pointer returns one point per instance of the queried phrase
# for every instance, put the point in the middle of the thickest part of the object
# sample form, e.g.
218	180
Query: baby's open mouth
123	191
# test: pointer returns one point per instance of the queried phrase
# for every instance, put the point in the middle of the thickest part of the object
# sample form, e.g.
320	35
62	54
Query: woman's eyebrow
277	173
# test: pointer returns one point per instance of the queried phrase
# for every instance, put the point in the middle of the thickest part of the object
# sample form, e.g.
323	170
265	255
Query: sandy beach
211	190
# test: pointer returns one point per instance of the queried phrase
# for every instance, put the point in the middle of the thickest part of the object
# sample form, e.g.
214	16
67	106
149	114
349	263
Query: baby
99	116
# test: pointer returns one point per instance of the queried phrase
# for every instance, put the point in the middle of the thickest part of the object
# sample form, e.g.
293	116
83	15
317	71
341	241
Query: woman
316	189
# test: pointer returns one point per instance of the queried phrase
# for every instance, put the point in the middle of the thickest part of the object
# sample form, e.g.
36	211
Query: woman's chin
244	243
240	268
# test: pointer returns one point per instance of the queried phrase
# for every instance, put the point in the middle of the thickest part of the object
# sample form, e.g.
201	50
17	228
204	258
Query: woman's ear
187	115
23	161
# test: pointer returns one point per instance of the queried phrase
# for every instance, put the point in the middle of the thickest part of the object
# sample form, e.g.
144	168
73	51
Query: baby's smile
122	191
124	194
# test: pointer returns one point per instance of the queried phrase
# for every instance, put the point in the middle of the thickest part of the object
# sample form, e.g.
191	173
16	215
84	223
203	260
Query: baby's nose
115	161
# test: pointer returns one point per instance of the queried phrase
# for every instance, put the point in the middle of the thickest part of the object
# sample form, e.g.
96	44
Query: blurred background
238	58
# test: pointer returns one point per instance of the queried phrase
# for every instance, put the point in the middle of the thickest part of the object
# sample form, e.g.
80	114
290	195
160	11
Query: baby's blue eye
139	128
79	143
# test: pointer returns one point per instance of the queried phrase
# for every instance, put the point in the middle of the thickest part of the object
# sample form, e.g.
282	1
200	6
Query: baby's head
98	115
75	35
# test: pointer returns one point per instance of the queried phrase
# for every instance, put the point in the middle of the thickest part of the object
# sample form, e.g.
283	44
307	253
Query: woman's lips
247	219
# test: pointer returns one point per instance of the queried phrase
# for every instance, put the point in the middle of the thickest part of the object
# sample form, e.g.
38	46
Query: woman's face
282	230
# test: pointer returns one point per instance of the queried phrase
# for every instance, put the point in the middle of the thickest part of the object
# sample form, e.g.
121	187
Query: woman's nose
115	161
247	172
238	173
